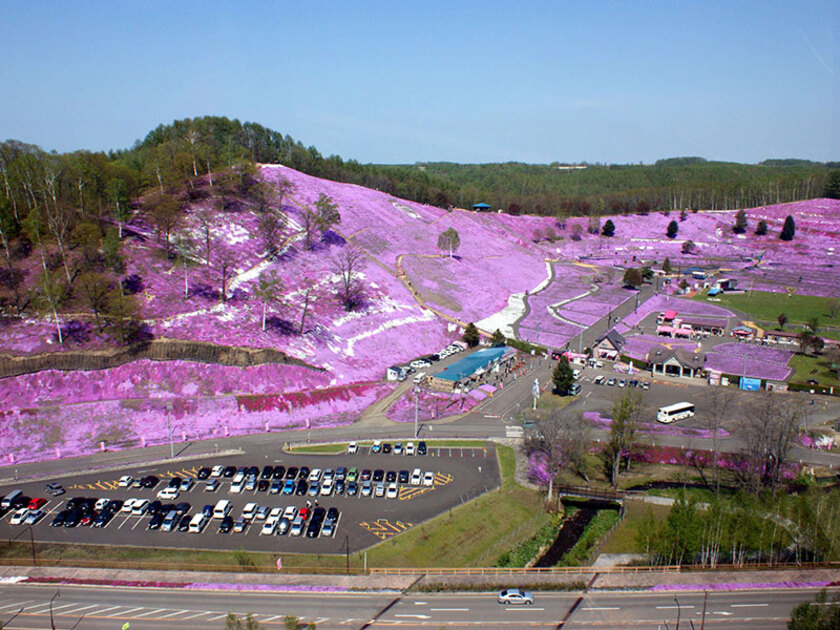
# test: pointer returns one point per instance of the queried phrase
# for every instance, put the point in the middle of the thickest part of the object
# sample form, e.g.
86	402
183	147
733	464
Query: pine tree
788	229
761	228
562	377
666	266
471	335
608	229
740	222
498	339
673	228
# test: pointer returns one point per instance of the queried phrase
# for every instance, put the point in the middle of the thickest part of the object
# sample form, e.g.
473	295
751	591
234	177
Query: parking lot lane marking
672	607
104	610
384	529
217	617
73	611
441	479
177	612
601	608
16	604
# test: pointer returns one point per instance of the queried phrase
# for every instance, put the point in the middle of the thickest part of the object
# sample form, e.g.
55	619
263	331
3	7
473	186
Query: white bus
677	411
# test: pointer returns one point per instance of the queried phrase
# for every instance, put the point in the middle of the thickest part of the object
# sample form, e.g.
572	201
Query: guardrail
520	571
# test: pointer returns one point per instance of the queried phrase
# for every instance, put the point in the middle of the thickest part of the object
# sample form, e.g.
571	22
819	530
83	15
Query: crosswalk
75	610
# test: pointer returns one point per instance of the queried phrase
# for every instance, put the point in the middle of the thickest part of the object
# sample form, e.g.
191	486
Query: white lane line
449	609
419	603
177	612
104	610
73	611
217	617
748	605
524	608
267	620
151	612
206	612
129	611
16	604
601	608
672	607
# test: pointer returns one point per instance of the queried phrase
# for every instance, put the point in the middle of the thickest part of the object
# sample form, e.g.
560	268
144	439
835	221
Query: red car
36	504
88	518
304	513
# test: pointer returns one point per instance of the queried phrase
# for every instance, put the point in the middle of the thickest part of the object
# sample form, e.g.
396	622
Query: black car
175	482
339	487
313	529
319	513
75	502
390	476
386	448
352	489
403	476
72	518
59	519
207	510
184	523
302	488
226	525
149	482
153	507
253	471
333	513
279	472
156	521
204	473
421	448
378	474
267	472
262	485
114	505
365	475
292	472
103	518
303	473
20	501
229	471
183	507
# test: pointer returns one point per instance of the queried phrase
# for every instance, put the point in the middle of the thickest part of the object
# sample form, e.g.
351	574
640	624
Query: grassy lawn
808	367
474	534
624	538
766	307
333	449
325	449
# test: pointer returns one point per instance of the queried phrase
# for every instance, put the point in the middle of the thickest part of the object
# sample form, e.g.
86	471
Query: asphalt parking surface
460	474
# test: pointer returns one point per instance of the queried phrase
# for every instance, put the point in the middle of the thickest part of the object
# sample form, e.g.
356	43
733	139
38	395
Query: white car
290	512
217	471
128	505
167	494
327	487
398	448
314	474
139	507
377	446
101	503
391	493
276	513
416	477
34	516
125	481
429	478
297	527
250	511
409	448
352	448
380	490
269	527
19	516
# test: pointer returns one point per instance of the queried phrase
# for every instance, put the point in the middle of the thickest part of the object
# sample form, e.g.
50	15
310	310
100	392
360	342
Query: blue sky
463	81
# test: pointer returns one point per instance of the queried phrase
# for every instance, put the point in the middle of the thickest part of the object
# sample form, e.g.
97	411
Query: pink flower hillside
430	406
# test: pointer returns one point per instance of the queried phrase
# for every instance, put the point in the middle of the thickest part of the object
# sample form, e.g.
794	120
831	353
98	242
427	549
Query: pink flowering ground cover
661	303
744	359
430	406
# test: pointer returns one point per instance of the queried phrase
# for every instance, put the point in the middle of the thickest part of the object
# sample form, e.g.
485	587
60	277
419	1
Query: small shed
394	373
481	207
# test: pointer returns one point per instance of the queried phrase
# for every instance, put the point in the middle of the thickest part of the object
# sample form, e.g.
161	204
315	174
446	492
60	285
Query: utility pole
416	402
169	426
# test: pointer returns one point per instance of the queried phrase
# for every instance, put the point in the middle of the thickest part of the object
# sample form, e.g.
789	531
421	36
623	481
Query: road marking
672	607
264	620
415	616
73	611
449	609
217	617
206	612
151	612
525	608
602	608
177	612
383	528
104	610
129	611
748	605
21	604
419	603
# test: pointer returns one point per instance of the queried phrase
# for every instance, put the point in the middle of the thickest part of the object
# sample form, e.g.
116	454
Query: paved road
94	608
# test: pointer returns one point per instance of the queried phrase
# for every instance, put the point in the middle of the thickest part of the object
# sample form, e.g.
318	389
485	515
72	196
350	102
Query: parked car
421	448
352	448
217	471
19	516
125	481
37	503
203	473
226	525
168	494
54	489
240	525
429	478
377	446
211	485
409	448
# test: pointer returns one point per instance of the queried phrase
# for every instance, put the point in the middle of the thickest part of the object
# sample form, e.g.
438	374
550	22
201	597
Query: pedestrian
308	503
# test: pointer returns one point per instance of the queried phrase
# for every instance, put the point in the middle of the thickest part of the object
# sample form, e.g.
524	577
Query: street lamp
52	619
169	426
416	392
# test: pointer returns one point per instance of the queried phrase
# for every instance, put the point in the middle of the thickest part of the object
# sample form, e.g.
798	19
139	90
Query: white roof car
128	505
392	491
167	494
416	477
429	478
125	481
327	487
101	503
297	527
34	516
250	510
290	512
276	513
19	516
268	527
217	471
352	448
240	476
380	490
315	474
139	506
409	448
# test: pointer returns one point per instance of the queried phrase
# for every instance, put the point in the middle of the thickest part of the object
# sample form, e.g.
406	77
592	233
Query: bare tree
767	431
225	260
271	228
623	427
561	439
51	294
720	402
205	220
347	265
308	298
268	290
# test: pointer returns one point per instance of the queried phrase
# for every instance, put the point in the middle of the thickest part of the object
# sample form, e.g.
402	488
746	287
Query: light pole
416	392
679	610
52	619
169	426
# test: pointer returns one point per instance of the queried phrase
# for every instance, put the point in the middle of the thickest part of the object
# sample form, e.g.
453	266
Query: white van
7	500
197	523
221	509
236	486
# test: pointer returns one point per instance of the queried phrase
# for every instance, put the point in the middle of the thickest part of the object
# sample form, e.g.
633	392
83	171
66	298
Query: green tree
818	615
450	240
782	319
673	228
626	411
608	229
94	288
666	265
832	185
788	229
761	228
269	287
632	278
328	214
51	294
498	339
688	247
562	377
117	195
471	335
740	222
232	622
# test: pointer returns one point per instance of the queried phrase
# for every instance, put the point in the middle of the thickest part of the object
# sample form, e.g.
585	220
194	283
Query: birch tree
269	288
347	265
450	240
51	295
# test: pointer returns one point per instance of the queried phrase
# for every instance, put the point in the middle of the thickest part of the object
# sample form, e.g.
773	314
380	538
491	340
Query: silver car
511	596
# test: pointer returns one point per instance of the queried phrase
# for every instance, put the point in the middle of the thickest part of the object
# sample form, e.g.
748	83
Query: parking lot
444	478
